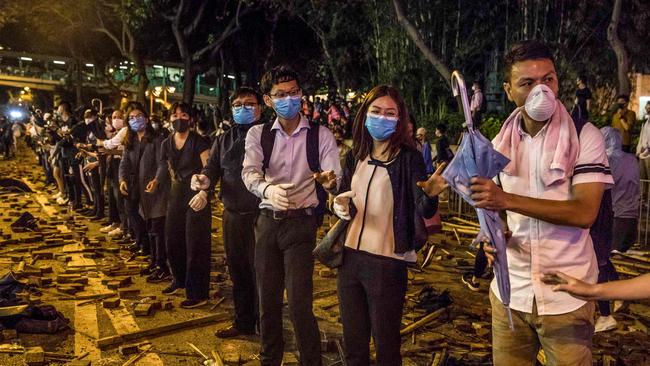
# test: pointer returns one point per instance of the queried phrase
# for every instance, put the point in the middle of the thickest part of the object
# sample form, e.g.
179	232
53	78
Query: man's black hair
523	51
246	90
625	97
442	128
67	106
277	75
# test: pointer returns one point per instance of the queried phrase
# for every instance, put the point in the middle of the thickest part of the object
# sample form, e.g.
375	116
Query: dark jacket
225	163
138	167
444	153
404	173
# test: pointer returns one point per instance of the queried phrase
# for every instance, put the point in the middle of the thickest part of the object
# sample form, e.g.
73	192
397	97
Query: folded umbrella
476	157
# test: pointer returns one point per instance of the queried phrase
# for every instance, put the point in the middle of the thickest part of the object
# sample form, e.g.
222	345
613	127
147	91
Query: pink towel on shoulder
560	150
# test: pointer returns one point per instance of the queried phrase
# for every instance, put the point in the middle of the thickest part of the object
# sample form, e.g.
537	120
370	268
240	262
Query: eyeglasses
139	115
282	94
248	106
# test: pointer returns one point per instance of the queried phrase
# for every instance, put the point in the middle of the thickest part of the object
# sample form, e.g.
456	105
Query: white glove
342	205
199	182
198	202
277	194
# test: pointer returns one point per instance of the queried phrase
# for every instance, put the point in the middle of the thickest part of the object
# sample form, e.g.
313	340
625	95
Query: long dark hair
149	132
361	139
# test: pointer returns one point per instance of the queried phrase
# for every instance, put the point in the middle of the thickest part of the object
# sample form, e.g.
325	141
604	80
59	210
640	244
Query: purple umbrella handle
510	323
459	90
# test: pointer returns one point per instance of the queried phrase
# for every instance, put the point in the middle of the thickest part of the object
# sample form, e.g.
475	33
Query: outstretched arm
633	289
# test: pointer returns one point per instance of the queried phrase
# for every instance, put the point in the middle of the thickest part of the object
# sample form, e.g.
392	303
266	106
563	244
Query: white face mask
540	103
118	123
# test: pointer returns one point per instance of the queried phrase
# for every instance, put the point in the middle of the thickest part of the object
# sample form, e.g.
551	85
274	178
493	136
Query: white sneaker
62	201
618	305
57	196
605	323
107	229
115	232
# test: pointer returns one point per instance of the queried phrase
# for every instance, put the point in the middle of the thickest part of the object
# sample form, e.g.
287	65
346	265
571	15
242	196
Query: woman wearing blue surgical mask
187	228
385	191
146	208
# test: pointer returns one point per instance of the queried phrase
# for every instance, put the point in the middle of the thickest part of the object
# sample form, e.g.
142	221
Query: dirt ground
459	336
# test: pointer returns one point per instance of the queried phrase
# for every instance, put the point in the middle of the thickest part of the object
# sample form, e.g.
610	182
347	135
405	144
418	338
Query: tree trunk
622	58
143	80
412	32
79	84
330	63
189	83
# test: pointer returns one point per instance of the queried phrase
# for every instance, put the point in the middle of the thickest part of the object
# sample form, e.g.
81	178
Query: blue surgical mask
287	107
138	124
380	127
243	115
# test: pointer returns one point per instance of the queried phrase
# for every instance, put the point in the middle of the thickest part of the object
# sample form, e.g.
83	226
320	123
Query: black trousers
118	213
606	273
113	214
98	192
44	159
188	239
239	241
137	223
626	233
283	259
156	234
480	262
71	181
371	295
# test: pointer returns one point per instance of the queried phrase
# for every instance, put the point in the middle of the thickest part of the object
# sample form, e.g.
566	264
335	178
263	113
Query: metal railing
459	208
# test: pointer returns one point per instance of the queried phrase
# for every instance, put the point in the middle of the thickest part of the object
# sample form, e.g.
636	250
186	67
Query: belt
288	214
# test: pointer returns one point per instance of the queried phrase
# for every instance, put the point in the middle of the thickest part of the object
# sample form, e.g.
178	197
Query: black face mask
621	105
181	125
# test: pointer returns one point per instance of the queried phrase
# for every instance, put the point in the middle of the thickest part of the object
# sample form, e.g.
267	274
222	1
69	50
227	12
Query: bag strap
267	140
313	153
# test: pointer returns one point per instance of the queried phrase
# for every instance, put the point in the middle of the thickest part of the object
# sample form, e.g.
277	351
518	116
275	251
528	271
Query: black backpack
267	140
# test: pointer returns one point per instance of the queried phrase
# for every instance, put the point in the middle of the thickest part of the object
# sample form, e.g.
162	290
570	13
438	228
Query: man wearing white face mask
551	193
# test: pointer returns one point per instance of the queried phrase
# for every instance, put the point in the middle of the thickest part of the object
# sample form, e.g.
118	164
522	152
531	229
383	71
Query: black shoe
467	280
159	275
143	252
232	331
191	304
488	274
133	247
172	289
147	271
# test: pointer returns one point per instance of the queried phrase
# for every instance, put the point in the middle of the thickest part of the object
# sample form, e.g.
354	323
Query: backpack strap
313	153
267	140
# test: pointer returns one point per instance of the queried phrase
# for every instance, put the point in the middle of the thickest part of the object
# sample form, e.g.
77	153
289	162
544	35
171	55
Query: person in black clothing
582	101
67	157
138	167
188	223
93	129
129	174
443	152
240	207
6	136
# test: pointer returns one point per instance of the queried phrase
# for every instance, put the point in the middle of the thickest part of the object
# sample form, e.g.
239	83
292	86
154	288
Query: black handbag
330	249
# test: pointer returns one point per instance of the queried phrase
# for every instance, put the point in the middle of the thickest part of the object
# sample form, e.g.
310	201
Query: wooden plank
137	334
124	323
